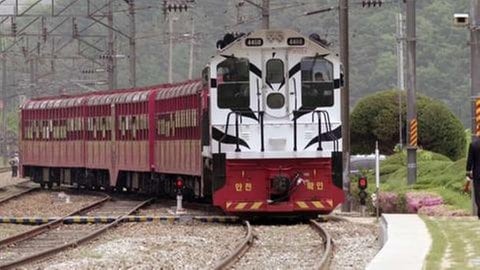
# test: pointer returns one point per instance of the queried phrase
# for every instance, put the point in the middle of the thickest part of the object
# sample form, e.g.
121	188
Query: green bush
389	168
435	173
375	118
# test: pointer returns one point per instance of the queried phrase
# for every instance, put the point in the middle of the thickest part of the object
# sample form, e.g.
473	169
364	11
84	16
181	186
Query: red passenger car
117	139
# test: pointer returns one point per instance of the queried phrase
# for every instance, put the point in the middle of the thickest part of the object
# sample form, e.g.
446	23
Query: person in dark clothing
473	169
14	164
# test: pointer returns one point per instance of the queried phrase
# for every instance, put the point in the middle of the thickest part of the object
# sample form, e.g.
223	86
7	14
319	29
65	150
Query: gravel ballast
45	204
355	244
7	230
151	246
283	247
167	208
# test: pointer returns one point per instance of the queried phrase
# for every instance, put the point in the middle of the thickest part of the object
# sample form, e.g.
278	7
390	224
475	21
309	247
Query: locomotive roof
164	91
266	34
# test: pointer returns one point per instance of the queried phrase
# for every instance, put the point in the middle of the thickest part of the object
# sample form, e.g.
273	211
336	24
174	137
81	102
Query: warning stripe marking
302	205
477	116
256	205
240	206
413	132
317	204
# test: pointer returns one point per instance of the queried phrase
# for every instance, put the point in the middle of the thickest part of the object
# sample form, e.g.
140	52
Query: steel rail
17	194
73	243
4	169
324	262
238	251
334	218
48	226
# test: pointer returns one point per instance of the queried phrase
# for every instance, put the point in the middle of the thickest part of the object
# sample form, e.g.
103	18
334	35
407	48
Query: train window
36	129
275	71
122	125
134	127
275	100
48	129
94	125
161	127
233	81
188	118
194	117
64	130
145	122
317	82
104	127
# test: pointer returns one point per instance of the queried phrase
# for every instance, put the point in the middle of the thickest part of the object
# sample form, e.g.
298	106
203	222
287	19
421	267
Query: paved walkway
406	246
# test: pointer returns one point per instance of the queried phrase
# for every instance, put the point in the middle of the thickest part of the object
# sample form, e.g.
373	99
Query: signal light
179	183
362	183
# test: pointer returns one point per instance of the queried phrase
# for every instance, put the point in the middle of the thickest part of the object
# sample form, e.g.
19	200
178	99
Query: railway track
13	191
5	169
239	250
266	243
55	236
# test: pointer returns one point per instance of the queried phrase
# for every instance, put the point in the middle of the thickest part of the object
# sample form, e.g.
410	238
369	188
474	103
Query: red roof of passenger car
116	95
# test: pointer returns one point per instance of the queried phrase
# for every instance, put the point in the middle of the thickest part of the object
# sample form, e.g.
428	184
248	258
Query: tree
376	118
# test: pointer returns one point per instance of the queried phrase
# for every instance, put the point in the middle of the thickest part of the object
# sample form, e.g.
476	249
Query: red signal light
362	183
179	183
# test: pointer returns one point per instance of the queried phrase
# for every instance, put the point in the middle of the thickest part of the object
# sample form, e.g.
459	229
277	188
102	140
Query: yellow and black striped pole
477	116
413	132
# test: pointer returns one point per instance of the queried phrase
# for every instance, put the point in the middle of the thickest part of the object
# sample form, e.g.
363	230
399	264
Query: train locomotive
260	133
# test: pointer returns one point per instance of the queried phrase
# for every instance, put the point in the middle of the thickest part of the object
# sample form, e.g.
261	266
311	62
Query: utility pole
239	6
400	74
52	61
192	43
345	100
474	70
133	53
266	14
170	48
111	59
265	8
4	103
474	58
32	72
411	94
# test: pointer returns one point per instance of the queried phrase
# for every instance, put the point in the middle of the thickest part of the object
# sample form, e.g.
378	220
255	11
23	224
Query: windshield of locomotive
317	82
233	84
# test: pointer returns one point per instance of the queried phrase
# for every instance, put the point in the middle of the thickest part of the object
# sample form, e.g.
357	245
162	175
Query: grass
435	173
456	240
455	243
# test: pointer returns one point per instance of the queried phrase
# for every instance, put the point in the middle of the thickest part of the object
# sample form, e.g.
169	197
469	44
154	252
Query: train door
275	88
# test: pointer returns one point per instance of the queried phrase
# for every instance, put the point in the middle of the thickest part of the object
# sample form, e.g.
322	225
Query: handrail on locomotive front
319	113
328	126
